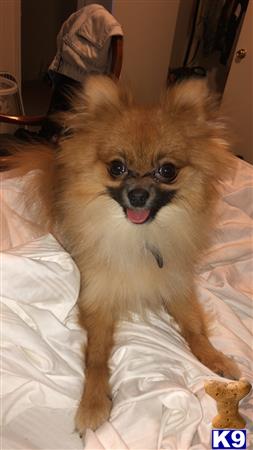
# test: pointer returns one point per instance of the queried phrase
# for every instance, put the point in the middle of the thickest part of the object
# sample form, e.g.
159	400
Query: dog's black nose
138	197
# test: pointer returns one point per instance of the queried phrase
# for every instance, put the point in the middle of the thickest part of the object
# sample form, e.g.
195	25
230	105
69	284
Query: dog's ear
99	95
99	92
195	109
192	98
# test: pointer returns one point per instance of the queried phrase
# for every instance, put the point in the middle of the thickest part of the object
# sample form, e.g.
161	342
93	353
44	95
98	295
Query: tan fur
118	271
39	161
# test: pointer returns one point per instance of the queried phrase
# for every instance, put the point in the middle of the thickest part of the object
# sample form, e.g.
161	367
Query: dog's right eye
117	168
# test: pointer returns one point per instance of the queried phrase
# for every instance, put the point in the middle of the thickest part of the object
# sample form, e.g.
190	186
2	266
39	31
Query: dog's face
140	193
141	173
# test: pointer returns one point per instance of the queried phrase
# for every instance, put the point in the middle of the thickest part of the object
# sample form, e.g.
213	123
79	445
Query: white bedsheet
159	400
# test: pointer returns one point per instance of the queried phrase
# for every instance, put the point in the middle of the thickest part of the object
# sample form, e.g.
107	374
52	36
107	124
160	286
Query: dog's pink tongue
138	216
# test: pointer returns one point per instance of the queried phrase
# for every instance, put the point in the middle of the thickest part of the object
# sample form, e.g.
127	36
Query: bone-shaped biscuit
227	396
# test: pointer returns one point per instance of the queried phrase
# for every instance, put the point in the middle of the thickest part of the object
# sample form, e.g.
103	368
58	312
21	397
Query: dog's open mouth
138	216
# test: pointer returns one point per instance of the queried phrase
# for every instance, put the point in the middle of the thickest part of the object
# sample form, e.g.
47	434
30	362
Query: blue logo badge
227	439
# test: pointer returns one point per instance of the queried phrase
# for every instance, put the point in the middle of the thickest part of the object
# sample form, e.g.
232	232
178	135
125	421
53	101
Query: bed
157	384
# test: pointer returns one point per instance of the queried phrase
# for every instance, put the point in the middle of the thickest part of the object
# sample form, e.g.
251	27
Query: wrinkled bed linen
159	400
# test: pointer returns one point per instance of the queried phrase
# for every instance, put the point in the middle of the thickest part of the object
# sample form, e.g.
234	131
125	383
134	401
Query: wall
10	37
148	36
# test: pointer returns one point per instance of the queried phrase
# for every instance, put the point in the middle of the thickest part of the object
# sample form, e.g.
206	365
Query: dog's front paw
215	360
92	412
223	366
226	367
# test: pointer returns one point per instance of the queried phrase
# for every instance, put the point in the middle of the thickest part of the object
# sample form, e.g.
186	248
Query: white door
238	95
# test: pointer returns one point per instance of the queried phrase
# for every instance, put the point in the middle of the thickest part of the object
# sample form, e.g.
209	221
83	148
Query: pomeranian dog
131	193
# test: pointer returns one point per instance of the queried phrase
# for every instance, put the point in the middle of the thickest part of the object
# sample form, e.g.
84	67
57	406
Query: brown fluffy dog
132	193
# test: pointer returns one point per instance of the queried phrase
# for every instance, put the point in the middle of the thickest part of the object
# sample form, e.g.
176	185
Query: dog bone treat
227	396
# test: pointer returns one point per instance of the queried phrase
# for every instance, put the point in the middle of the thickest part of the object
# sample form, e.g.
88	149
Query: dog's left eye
117	168
167	173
